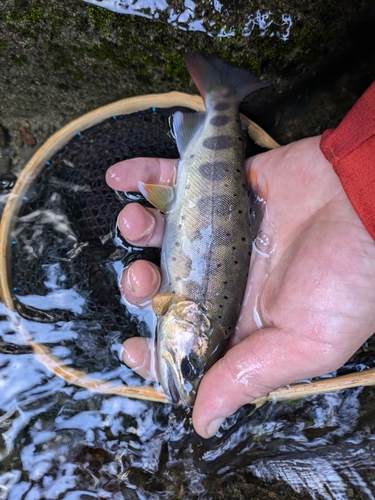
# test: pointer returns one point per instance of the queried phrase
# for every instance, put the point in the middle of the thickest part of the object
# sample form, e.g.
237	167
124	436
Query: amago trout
207	243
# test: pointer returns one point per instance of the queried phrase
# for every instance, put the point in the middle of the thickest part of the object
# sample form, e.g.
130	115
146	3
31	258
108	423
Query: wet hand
311	289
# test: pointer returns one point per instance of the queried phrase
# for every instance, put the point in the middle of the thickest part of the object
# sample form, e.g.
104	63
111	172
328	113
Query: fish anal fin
161	197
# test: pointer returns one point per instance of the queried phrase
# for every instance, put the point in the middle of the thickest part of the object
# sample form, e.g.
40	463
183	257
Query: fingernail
150	223
214	426
128	279
155	276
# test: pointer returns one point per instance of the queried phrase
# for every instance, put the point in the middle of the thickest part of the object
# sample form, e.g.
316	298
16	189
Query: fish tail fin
209	72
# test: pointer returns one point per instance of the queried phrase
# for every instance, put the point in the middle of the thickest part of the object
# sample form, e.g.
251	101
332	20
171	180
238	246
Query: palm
308	305
316	289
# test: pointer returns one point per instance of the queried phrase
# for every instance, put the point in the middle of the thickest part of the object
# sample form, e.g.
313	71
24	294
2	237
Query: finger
124	176
141	226
264	361
140	282
140	355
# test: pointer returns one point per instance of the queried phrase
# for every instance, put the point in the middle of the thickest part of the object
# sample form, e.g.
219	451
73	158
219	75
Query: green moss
19	59
100	18
175	65
4	44
33	15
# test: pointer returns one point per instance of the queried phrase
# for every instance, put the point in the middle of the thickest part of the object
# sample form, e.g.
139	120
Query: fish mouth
170	379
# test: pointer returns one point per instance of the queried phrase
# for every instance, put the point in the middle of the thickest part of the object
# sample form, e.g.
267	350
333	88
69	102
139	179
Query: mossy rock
67	58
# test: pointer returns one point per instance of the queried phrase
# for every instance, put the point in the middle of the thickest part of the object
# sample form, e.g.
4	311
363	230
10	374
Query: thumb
264	361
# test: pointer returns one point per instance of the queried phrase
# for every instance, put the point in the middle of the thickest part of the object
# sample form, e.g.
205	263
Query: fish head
184	350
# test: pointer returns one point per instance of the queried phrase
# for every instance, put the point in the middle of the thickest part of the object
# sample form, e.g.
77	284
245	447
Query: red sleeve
351	150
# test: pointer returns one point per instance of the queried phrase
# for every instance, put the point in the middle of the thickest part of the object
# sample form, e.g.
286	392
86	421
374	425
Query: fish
207	243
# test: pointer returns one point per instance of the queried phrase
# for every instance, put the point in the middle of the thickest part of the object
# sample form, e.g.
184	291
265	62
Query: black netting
65	237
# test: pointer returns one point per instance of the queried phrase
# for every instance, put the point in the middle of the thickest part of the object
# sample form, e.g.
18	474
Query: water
213	19
60	441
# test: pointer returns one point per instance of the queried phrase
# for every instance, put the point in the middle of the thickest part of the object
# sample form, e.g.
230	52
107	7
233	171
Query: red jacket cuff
350	148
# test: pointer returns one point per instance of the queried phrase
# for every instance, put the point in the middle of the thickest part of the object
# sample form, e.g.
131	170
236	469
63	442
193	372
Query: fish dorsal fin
185	126
159	196
209	72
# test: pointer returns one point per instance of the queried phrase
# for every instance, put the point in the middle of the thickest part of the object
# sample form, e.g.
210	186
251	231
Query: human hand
309	304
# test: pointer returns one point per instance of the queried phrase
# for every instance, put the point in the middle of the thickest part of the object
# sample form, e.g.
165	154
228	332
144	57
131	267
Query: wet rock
26	136
27	153
7	181
5	164
3	137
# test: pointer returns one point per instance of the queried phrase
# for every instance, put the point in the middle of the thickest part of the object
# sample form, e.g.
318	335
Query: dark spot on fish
179	226
183	217
238	170
219	120
225	282
240	138
214	171
249	253
225	297
233	248
178	278
243	185
236	261
187	186
221	106
215	142
174	259
226	185
234	194
219	204
221	237
191	156
219	317
177	243
243	239
240	211
218	265
197	235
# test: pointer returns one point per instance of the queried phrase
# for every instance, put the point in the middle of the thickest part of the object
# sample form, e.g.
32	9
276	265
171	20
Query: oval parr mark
221	106
216	142
219	120
214	171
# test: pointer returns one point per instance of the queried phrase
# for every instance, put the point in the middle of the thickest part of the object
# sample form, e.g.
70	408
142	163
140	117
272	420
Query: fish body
207	243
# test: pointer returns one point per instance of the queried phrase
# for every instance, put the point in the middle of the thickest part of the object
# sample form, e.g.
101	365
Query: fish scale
224	253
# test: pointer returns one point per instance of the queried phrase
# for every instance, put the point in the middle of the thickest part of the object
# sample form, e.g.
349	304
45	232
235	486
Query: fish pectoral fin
159	196
160	303
185	126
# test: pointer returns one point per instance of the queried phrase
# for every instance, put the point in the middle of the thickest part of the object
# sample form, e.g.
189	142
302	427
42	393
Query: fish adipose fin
159	196
185	126
209	72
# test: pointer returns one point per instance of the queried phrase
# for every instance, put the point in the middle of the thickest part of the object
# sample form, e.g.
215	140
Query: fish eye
191	367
